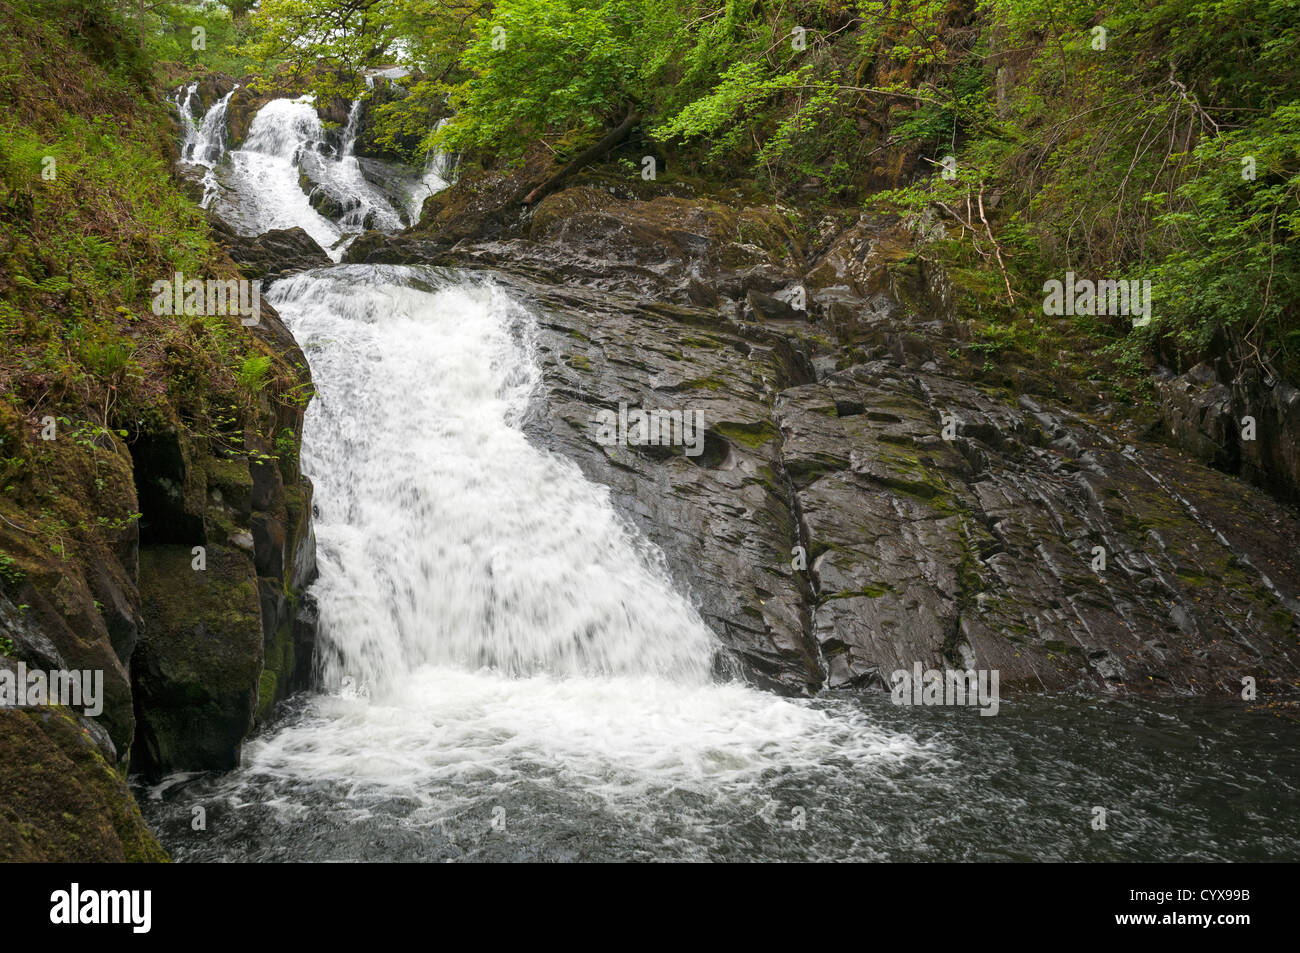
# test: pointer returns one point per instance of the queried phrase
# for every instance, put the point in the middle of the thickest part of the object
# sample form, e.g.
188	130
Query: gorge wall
155	527
946	510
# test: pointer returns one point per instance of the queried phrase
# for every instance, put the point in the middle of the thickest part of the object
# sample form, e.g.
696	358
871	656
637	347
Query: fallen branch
997	249
1196	106
958	219
613	138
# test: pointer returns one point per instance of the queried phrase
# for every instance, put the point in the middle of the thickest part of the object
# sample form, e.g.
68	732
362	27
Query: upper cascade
292	171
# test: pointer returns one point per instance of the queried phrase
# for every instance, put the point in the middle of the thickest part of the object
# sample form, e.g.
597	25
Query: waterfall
184	100
446	538
288	173
263	175
350	130
491	631
484	613
204	143
210	137
436	177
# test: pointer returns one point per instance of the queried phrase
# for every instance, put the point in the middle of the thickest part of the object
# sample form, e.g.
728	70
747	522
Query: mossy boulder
199	661
60	799
710	233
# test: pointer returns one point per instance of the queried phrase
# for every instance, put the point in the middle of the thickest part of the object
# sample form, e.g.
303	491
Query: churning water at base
486	618
509	673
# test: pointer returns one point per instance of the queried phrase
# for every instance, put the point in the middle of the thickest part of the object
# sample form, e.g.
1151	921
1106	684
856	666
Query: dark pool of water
1178	780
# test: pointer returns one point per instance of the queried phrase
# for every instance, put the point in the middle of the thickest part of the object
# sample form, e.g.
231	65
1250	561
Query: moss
60	800
712	382
751	435
912	474
767	479
230	477
265	694
712	344
277	673
222	600
566	204
866	592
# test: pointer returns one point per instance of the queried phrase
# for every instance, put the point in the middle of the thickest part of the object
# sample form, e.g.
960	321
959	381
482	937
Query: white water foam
264	173
484	612
204	143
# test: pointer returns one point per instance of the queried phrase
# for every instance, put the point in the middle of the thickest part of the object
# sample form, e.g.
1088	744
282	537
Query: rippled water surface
1180	782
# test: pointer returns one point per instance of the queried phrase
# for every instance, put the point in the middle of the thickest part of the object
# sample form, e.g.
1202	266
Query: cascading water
263	175
483	610
204	143
184	100
446	538
436	177
350	130
508	672
288	172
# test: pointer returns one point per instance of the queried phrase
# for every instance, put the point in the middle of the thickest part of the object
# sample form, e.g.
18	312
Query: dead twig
997	249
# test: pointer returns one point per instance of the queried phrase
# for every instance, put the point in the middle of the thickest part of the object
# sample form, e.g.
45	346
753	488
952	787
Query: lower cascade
446	538
508	672
490	627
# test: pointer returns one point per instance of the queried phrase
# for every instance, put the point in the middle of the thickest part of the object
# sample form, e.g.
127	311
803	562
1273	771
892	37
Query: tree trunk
613	138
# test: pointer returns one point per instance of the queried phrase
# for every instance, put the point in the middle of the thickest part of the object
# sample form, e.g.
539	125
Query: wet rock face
197	667
966	531
1248	425
63	801
189	658
273	254
222	637
861	503
722	516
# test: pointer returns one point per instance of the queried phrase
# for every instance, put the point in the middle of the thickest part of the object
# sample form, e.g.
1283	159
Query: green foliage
404	127
171	31
82	238
555	69
254	373
1113	146
12	574
329	42
723	113
1237	263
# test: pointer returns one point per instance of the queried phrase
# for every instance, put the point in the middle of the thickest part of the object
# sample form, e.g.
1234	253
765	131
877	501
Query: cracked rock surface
863	501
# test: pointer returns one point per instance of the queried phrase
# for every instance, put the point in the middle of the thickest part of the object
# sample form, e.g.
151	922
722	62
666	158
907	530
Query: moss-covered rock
199	662
60	799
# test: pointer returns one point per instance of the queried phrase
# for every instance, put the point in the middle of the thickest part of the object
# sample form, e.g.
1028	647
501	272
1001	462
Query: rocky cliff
155	528
872	492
